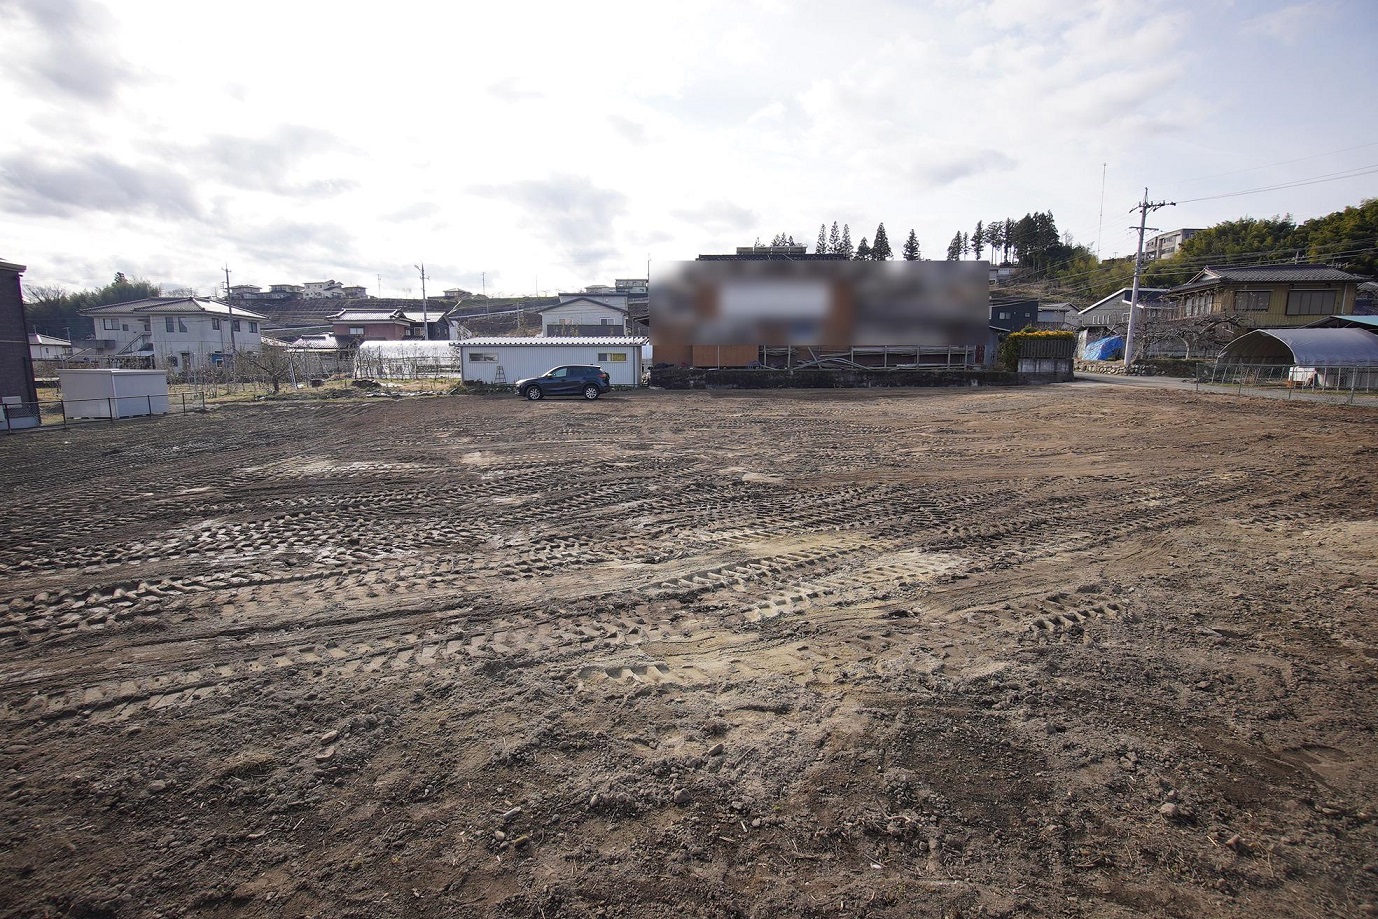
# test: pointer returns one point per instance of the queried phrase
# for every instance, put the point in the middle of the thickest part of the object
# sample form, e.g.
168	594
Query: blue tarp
1107	349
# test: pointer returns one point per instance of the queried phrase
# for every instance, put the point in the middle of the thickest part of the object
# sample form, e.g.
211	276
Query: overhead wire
1300	159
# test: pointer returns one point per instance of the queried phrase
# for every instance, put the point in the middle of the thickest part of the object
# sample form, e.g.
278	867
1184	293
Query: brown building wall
373	331
725	355
16	367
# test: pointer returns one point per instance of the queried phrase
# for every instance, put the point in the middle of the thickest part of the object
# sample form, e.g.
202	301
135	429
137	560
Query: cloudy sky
565	144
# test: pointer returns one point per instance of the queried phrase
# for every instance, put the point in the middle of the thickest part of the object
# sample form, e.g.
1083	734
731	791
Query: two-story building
352	327
1266	296
173	333
323	290
585	317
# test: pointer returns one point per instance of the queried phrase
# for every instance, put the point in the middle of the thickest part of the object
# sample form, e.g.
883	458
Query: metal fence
1344	384
21	416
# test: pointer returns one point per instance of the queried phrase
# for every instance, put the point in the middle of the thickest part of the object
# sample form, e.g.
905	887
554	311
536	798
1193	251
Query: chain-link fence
1346	384
21	416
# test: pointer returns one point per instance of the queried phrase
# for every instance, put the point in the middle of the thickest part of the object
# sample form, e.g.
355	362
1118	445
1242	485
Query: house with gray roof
1267	296
180	334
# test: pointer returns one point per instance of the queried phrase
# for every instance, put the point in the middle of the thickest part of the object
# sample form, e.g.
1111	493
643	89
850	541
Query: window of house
172	362
181	326
170	324
1002	315
234	325
1311	303
148	324
110	325
215	324
482	357
253	326
217	358
613	357
356	330
1252	300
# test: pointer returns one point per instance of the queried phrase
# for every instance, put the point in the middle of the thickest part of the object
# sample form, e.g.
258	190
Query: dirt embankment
1073	651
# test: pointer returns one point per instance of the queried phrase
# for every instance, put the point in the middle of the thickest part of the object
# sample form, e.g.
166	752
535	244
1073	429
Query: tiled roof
1267	274
1285	273
366	316
172	306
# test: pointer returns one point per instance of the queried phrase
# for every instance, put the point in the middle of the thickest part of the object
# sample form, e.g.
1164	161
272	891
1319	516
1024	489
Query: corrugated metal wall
519	361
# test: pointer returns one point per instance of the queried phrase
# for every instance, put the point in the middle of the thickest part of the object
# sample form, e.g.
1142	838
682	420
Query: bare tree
271	364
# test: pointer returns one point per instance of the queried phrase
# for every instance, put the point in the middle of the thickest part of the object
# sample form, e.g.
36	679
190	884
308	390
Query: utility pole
229	305
378	292
425	314
1143	208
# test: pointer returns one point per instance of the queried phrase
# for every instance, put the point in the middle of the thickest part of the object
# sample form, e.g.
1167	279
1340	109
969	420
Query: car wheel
591	392
533	393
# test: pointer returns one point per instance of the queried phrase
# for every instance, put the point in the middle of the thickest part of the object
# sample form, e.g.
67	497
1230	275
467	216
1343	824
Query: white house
606	295
174	333
323	290
585	317
48	347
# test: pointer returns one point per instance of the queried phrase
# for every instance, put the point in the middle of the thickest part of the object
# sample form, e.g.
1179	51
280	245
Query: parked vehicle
585	380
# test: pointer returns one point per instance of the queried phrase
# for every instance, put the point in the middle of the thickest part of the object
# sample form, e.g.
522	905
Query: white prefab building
500	360
113	393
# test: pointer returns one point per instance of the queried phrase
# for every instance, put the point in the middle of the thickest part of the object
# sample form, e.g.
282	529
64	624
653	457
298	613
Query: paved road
1286	395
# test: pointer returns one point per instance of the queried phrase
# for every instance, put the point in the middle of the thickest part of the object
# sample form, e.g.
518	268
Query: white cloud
570	140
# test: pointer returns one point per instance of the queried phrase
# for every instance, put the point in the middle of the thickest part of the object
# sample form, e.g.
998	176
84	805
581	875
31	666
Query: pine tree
966	244
835	240
978	239
880	249
863	251
954	248
994	229
821	246
1007	238
845	249
911	248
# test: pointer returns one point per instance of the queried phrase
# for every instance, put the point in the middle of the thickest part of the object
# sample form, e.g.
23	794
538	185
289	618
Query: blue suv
570	380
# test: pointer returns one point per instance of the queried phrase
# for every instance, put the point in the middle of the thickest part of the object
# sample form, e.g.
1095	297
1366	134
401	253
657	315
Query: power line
1300	159
1331	177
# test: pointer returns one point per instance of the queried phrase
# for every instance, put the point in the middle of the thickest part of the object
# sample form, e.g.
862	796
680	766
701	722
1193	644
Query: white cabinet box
113	393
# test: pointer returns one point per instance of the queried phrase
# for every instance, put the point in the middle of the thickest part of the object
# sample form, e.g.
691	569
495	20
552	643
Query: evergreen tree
835	240
994	231
978	239
880	249
1007	238
954	248
821	247
56	311
845	250
863	251
965	245
911	248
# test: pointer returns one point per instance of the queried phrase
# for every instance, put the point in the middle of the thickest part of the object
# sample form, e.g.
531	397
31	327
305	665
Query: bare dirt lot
1066	651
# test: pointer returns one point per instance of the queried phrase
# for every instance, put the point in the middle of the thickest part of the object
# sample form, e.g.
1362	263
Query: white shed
107	393
501	360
